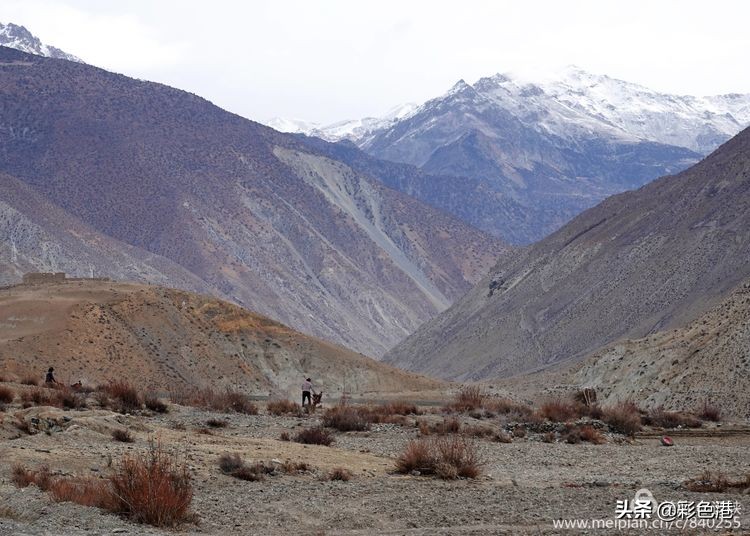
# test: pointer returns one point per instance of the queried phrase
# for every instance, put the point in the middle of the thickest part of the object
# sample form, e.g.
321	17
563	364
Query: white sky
330	60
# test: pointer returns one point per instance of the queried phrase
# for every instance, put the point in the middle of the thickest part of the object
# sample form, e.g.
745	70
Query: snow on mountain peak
18	37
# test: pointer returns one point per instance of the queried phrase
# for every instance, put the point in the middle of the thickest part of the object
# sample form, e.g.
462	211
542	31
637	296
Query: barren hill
707	361
257	216
639	262
169	339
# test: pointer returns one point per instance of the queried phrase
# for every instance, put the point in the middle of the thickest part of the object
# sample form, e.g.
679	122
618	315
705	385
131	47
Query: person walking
307	388
50	378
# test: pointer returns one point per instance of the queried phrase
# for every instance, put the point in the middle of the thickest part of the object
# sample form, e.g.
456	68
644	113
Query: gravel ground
526	484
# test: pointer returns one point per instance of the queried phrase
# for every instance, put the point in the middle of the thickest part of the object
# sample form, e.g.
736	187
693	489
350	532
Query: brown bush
30	380
85	491
624	417
716	482
710	412
585	433
6	395
153	488
447	426
153	403
233	465
22	476
561	410
285	436
478	431
217	423
507	407
226	401
446	457
468	398
36	397
65	397
339	473
671	419
345	418
122	396
549	437
291	467
392	412
283	407
22	425
122	435
314	436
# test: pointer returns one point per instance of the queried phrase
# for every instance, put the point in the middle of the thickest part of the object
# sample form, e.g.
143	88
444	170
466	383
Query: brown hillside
169	339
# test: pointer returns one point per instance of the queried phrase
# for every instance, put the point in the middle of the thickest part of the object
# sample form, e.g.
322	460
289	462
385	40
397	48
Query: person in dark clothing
50	379
307	388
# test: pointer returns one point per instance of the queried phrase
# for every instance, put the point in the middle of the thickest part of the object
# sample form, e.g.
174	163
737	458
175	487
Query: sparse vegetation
339	473
716	482
560	410
345	418
217	423
584	433
285	436
121	396
468	398
447	457
314	436
30	380
710	412
153	403
122	435
226	401
6	395
624	417
283	407
671	419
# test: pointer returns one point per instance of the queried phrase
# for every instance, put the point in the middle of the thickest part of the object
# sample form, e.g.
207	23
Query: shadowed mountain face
254	215
639	262
159	338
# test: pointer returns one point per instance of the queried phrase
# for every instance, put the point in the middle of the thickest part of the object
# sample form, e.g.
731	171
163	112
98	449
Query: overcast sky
329	60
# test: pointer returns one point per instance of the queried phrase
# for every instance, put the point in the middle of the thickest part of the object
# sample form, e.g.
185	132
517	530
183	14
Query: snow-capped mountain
18	37
357	130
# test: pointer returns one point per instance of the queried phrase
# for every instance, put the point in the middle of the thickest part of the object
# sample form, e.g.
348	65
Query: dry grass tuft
339	473
283	407
30	380
121	396
469	398
122	435
6	395
585	433
153	403
234	465
314	436
710	412
345	418
447	457
226	401
671	419
715	482
217	423
624	417
561	410
153	488
285	436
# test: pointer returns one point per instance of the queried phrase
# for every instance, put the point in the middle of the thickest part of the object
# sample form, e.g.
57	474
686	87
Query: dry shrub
447	426
478	431
30	380
345	418
6	395
671	419
226	401
549	437
446	457
22	476
23	425
285	436
85	491
314	436
122	435
153	488
36	397
503	437
65	397
710	412
624	417
153	403
234	465
585	433
507	407
217	423
291	467
716	482
470	397
561	410
283	407
339	473
519	432
125	396
392	412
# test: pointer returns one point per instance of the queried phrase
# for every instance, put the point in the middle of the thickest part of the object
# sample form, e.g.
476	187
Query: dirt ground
526	484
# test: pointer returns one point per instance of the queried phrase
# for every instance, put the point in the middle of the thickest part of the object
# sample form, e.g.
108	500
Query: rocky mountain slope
637	263
169	339
255	215
18	37
704	362
555	147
